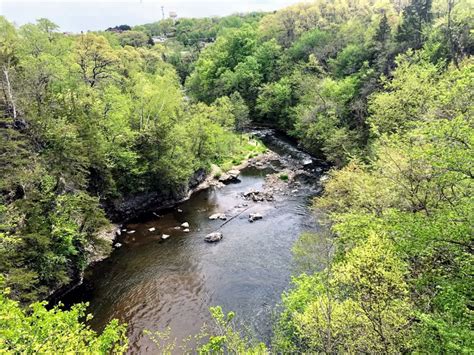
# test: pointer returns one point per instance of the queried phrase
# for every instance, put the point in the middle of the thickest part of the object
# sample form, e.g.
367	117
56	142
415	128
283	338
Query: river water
153	284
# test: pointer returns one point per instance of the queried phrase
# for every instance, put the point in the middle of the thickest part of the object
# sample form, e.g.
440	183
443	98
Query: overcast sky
75	16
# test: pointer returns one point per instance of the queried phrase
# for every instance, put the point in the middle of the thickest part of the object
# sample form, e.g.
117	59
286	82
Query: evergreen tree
416	16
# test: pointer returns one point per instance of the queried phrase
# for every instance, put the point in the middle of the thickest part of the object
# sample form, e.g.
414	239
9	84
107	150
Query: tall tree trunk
452	45
9	92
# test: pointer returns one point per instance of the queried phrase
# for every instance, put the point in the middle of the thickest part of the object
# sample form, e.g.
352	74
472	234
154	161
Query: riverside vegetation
382	90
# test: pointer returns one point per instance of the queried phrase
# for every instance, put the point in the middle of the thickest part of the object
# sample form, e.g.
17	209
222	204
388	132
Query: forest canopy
382	90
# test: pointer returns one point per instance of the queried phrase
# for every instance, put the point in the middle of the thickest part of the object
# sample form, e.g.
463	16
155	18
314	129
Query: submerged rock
255	217
213	237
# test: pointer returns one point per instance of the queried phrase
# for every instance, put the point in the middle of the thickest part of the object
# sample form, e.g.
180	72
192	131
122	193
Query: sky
76	16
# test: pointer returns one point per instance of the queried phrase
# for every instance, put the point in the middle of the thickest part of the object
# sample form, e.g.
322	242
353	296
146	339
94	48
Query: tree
38	329
274	102
95	58
8	45
415	17
133	38
240	112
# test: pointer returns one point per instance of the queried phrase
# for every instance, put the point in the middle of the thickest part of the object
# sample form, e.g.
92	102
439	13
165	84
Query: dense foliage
384	91
402	224
86	121
39	330
310	69
381	89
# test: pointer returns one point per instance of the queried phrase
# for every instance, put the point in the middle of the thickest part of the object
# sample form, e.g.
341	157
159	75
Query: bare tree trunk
450	34
9	92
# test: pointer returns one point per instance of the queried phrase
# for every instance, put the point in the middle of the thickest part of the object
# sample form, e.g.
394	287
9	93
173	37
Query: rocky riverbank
285	174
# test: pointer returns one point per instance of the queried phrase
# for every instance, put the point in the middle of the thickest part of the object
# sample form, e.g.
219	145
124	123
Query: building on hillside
158	39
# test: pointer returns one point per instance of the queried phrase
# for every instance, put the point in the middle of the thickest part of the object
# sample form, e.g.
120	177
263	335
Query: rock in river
165	236
213	237
185	225
307	162
215	216
255	217
230	176
152	229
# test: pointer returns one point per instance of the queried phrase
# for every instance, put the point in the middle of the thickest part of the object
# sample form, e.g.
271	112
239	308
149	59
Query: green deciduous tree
41	330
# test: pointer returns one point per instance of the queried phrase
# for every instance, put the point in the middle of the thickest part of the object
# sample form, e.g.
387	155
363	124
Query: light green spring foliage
37	329
381	89
85	121
310	69
403	226
220	337
227	339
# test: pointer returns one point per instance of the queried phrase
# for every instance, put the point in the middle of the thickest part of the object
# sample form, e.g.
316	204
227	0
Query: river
153	284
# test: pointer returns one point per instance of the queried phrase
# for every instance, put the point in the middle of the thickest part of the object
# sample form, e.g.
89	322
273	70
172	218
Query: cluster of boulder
221	216
258	196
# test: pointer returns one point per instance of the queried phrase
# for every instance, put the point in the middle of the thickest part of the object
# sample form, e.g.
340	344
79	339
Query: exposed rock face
102	247
255	217
234	173
128	207
230	176
213	237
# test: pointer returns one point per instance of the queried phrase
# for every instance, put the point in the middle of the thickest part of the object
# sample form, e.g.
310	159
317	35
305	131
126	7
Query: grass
283	177
244	149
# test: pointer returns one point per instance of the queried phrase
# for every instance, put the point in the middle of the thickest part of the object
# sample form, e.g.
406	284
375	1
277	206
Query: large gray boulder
230	176
213	237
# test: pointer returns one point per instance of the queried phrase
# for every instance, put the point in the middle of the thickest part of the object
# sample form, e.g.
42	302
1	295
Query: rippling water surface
154	284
